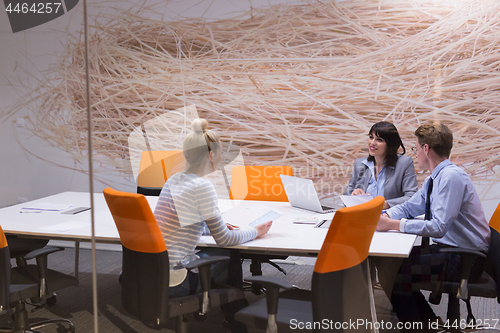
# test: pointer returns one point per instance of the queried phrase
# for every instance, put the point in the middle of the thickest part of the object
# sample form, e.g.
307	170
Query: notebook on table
302	194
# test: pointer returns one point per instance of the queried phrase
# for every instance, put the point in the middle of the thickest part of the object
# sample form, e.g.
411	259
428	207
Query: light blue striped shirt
457	215
192	200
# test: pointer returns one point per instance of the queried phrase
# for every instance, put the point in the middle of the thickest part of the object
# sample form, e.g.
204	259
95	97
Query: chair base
256	269
71	327
21	324
294	307
181	324
34	328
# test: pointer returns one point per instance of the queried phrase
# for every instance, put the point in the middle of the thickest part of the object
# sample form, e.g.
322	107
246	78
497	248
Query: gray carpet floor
75	303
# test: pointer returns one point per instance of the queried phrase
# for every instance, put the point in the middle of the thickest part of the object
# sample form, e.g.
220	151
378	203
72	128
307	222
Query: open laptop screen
302	194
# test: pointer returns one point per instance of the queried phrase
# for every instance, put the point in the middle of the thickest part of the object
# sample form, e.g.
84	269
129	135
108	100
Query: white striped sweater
186	207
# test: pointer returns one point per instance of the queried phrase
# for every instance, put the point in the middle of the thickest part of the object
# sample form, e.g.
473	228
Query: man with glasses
453	218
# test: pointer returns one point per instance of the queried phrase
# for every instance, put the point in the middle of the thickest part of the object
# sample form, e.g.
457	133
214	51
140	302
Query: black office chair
21	283
340	283
145	271
19	247
488	285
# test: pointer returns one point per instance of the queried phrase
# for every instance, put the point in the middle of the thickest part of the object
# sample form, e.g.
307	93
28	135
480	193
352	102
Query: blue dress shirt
457	215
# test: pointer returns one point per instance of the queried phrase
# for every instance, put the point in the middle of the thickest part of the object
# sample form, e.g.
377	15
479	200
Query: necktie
428	215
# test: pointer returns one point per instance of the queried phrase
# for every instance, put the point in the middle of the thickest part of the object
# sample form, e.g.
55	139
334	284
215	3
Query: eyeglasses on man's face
414	148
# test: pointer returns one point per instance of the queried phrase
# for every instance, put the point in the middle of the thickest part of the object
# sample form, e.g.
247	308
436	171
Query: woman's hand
232	226
263	228
357	191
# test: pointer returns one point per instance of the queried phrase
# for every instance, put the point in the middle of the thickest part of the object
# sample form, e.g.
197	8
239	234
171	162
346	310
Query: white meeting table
284	237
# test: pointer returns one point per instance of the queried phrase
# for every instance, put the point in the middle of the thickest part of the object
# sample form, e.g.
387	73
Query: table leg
372	299
77	257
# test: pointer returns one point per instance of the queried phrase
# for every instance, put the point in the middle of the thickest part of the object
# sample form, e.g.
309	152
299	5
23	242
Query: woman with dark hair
384	172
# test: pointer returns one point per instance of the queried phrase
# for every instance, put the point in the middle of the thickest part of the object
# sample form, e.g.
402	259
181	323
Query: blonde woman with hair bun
202	149
188	208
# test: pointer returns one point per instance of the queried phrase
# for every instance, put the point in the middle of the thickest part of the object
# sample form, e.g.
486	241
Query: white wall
24	176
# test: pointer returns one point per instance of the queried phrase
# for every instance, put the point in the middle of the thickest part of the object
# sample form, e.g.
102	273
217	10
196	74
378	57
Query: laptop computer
302	194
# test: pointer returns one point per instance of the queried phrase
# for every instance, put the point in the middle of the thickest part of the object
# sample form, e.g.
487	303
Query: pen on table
234	226
30	211
321	223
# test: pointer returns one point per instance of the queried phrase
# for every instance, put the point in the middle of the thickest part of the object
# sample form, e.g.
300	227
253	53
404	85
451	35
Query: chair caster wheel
200	317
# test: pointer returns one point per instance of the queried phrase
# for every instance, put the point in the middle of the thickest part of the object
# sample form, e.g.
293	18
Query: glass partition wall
45	154
284	83
289	84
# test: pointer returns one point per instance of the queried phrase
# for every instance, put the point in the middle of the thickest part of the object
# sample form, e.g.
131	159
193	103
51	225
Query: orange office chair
145	270
262	183
340	282
28	282
156	167
488	285
259	182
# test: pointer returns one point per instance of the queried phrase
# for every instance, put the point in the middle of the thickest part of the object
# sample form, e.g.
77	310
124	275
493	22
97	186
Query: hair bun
199	125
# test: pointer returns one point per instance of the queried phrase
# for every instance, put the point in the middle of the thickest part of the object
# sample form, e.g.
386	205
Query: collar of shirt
440	167
436	172
371	166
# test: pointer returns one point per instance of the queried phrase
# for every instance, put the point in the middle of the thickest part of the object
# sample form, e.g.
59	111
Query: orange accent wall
258	182
135	221
349	237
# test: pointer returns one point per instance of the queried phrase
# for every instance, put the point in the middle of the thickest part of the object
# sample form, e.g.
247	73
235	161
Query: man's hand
385	223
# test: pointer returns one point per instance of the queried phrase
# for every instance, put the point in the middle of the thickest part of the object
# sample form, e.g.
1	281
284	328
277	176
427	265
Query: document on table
353	200
47	206
311	219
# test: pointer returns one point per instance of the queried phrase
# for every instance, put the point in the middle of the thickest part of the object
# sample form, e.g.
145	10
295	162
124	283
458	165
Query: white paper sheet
353	200
47	206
